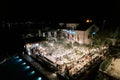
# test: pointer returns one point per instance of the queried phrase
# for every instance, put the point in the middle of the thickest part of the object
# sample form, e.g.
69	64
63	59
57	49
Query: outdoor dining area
69	59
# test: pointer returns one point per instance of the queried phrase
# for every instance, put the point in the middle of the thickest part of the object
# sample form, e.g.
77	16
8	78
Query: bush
105	63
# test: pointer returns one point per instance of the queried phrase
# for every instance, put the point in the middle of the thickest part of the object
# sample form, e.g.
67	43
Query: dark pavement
17	68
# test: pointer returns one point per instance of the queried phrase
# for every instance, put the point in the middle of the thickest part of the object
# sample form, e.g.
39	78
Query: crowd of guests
75	60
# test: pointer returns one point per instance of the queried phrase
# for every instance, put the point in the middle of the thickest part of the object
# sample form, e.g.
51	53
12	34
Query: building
80	33
74	32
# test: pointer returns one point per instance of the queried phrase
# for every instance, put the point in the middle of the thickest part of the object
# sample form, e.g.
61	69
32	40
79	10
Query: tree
101	39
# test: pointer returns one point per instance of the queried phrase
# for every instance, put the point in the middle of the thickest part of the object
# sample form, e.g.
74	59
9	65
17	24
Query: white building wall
80	34
55	33
49	34
72	25
43	34
87	41
87	32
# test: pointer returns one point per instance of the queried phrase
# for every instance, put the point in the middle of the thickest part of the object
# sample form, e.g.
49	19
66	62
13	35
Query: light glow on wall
26	67
31	73
39	78
19	60
16	57
23	63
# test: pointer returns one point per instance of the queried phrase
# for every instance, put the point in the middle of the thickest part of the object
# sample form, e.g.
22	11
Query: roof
84	26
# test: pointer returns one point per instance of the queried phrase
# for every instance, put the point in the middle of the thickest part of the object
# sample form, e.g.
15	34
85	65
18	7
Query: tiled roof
84	26
81	26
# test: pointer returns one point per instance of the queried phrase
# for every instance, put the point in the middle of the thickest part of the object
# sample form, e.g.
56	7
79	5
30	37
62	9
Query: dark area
48	14
14	70
11	42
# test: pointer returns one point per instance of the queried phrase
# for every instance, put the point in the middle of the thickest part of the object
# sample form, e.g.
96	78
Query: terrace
69	59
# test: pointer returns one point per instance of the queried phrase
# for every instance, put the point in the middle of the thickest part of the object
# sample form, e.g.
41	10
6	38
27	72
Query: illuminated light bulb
90	20
87	20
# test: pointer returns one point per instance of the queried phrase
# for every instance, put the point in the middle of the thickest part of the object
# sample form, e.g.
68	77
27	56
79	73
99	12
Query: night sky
56	11
19	10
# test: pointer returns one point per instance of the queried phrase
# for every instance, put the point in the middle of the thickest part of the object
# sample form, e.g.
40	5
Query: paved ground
50	75
17	68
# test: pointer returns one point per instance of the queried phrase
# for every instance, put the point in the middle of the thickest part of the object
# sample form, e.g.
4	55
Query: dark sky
56	10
